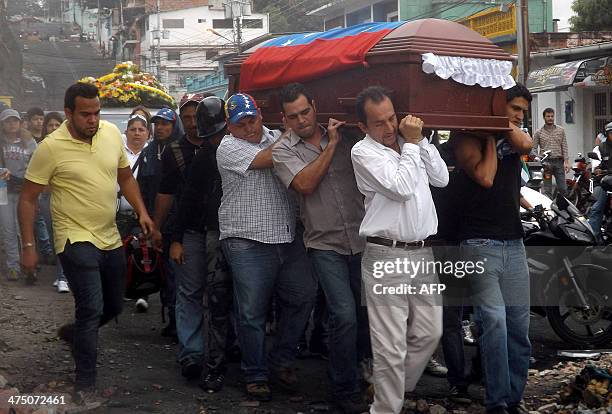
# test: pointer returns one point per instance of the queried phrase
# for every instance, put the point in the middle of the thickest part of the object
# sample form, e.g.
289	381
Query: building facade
182	44
343	13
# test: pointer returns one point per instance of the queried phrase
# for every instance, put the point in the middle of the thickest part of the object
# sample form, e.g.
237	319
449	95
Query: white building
577	83
190	39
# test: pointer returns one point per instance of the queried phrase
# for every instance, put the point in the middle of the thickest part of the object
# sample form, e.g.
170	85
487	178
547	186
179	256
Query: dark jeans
205	271
97	281
349	340
260	271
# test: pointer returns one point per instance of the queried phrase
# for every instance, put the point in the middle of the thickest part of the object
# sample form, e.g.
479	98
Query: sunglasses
138	116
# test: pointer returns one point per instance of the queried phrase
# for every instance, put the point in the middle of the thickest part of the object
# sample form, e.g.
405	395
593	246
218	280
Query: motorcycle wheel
576	325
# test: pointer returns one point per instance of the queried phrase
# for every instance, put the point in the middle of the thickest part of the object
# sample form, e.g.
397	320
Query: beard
85	132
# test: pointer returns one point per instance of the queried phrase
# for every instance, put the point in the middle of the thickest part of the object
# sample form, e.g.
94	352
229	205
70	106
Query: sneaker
12	275
517	409
459	395
259	391
353	405
89	399
191	370
213	381
62	287
141	305
286	378
435	368
31	278
468	337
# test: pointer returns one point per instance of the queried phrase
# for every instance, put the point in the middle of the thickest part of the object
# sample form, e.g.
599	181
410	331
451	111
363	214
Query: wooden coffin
395	62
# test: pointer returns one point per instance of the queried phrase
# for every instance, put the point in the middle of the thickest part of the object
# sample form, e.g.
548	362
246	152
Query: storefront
580	92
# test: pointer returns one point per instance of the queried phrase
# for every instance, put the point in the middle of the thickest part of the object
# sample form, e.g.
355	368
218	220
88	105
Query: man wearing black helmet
197	252
600	168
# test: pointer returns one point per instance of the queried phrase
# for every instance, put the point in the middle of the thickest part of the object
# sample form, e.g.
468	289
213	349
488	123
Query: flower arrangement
126	85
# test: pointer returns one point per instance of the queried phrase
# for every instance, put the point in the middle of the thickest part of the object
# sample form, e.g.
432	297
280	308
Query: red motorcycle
580	186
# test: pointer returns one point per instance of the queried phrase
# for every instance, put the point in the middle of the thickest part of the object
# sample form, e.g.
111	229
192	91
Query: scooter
569	278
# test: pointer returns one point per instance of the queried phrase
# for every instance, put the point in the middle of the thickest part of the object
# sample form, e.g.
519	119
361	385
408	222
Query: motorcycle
569	278
535	168
580	186
604	179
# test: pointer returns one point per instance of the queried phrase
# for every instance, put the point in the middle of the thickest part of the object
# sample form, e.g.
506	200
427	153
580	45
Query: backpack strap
178	156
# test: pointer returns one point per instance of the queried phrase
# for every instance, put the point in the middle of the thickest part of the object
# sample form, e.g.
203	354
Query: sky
562	10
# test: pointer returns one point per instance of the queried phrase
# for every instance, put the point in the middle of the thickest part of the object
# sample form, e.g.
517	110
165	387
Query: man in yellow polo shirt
82	162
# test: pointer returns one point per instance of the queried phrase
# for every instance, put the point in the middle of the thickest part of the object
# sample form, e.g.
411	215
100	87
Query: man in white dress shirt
394	166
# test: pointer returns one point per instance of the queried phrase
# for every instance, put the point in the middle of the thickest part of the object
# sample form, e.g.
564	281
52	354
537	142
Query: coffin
396	62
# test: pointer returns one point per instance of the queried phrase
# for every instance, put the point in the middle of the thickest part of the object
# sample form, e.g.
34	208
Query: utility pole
522	39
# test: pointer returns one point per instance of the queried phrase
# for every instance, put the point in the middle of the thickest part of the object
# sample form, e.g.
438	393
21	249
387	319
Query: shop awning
592	72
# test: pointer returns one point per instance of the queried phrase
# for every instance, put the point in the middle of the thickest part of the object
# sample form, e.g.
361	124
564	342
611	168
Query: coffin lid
441	37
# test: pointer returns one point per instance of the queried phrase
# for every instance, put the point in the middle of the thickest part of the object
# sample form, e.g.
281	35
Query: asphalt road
137	367
51	66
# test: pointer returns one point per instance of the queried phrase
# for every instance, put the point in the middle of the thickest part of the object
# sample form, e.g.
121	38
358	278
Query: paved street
51	66
137	367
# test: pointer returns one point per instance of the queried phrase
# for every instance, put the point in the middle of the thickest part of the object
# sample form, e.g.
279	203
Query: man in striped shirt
551	138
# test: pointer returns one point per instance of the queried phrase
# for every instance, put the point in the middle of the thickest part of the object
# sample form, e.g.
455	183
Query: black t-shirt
174	169
491	213
198	208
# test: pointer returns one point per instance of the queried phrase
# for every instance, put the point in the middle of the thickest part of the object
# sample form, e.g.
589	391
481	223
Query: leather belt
402	245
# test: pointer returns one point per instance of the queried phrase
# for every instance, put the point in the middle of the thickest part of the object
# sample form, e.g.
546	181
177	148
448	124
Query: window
201	20
173	23
174	55
602	110
223	24
252	23
211	54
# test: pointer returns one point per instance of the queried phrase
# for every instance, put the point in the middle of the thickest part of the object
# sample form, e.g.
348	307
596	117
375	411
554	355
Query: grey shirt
16	155
332	214
255	205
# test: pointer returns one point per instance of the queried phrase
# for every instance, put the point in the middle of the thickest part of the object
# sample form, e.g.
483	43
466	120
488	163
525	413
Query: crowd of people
309	223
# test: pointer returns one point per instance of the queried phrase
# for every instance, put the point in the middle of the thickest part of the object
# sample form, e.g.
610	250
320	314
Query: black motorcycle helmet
606	183
210	116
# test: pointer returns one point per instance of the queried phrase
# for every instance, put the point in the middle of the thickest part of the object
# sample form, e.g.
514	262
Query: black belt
401	245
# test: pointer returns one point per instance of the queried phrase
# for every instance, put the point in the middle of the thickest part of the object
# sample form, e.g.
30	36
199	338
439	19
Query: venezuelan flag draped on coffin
441	71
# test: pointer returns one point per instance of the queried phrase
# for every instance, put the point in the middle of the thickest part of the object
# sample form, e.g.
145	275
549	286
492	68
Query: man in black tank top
491	234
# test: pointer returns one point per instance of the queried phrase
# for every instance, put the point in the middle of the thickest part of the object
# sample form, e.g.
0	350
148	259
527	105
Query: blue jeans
501	300
340	278
204	270
45	212
97	280
260	271
598	209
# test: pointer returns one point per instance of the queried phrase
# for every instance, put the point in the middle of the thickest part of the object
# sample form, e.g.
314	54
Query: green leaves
591	15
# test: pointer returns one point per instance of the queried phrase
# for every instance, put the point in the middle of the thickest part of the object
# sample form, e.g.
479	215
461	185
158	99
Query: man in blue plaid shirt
257	223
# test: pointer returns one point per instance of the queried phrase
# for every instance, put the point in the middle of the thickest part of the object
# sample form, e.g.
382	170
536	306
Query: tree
24	8
591	15
290	15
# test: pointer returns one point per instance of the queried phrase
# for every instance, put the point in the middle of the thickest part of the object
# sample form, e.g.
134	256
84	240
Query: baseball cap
9	113
193	98
238	106
165	113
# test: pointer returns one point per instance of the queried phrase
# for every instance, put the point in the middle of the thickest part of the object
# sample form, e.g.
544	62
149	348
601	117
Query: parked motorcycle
580	186
535	167
569	278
